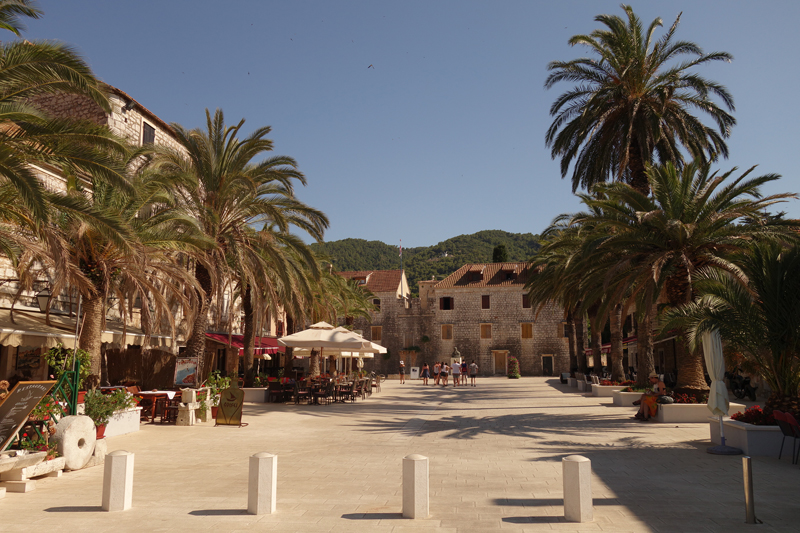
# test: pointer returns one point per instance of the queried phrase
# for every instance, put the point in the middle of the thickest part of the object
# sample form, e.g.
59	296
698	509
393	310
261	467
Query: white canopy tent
330	341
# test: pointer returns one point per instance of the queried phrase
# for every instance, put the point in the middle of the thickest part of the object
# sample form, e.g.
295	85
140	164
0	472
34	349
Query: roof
377	280
494	275
152	116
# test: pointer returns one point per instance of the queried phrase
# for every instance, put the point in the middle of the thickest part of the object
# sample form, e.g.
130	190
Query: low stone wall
124	422
605	391
256	394
690	412
752	439
625	399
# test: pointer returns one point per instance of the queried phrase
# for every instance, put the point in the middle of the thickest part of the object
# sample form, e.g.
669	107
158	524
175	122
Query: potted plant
60	360
101	407
216	383
513	368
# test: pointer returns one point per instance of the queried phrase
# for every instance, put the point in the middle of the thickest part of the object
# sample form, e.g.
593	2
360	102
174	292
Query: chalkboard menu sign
18	405
229	412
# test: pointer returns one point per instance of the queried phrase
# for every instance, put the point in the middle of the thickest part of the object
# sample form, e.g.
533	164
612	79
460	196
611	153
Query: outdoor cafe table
153	396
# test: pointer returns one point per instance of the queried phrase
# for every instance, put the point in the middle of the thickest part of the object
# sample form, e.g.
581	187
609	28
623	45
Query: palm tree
632	101
225	192
27	135
693	219
107	243
760	317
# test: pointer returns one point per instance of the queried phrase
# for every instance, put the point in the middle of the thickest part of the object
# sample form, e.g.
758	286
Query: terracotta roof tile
494	275
377	280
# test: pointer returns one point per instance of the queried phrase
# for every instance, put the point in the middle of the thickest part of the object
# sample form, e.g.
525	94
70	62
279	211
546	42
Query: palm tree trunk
147	351
580	341
617	369
313	364
249	335
645	348
288	356
196	343
596	337
573	361
92	329
691	373
636	166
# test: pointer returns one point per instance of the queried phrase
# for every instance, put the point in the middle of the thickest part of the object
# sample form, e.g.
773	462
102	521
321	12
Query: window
526	301
564	329
486	331
376	333
447	332
526	330
476	276
148	134
485	301
377	303
446	303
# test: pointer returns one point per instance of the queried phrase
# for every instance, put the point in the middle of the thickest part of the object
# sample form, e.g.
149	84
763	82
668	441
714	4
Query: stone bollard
577	474
263	483
416	500
118	481
188	395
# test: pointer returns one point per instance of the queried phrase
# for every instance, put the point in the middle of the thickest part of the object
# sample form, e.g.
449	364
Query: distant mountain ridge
420	263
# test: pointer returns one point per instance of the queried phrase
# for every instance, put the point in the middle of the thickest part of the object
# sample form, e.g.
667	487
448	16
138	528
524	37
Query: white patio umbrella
323	335
718	402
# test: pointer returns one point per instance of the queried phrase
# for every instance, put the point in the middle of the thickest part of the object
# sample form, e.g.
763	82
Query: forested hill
439	260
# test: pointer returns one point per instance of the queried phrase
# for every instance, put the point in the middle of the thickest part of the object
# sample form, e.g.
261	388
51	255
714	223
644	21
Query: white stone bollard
262	493
118	481
577	473
416	490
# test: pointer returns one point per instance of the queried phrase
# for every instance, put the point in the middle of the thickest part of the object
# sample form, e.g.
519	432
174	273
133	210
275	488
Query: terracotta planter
214	412
81	396
101	431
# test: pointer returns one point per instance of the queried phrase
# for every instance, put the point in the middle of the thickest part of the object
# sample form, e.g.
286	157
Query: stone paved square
495	465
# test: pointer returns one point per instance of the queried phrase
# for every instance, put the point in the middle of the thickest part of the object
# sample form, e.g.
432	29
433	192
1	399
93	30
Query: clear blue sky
445	135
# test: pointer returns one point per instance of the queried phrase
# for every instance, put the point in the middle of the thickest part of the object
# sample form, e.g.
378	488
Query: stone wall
405	326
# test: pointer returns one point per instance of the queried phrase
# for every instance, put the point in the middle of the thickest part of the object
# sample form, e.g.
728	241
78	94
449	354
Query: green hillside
439	260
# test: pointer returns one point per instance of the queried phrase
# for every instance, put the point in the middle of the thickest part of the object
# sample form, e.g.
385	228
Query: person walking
456	373
464	372
444	371
402	372
473	372
425	373
437	368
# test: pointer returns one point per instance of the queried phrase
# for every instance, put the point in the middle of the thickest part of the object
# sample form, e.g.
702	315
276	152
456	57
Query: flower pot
81	396
101	431
214	412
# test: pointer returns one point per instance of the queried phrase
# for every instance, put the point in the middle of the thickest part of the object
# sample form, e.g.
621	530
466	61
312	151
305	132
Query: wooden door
500	361
547	365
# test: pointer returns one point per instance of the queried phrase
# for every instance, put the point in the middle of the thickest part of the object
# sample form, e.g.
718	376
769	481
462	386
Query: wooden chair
301	392
275	391
168	409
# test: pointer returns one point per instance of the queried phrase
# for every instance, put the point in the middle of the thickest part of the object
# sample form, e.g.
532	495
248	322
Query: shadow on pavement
218	512
372	516
76	509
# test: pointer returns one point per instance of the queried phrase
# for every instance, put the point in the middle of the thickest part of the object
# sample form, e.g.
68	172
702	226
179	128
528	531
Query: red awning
606	348
266	345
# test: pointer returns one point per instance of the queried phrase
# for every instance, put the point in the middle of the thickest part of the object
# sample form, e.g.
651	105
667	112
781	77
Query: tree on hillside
632	101
500	254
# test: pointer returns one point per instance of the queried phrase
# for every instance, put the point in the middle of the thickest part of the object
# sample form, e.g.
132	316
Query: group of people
442	372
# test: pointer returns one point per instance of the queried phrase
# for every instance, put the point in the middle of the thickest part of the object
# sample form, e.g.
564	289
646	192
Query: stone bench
625	399
606	391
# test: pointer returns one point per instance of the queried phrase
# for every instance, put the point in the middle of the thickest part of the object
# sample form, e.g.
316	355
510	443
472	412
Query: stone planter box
753	440
572	382
584	387
625	399
52	467
124	422
605	391
690	412
255	394
13	460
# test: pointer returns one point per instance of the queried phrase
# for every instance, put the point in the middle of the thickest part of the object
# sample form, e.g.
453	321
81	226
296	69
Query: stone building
24	339
481	310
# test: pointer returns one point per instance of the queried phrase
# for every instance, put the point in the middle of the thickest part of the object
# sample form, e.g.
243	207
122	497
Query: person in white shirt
456	373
